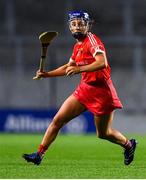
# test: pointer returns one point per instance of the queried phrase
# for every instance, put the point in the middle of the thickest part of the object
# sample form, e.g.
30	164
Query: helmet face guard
80	21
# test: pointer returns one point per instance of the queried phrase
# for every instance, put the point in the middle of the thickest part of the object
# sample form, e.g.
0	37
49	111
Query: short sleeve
95	45
71	60
73	56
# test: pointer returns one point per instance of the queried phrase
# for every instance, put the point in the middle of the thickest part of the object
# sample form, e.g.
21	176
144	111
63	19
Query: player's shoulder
93	38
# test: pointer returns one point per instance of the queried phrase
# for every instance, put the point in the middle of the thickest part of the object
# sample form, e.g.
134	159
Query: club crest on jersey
80	51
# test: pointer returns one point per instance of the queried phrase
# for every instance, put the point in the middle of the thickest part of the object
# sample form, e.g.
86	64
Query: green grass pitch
71	157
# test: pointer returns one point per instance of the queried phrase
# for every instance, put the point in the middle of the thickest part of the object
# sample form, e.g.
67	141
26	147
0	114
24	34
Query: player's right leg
69	110
105	131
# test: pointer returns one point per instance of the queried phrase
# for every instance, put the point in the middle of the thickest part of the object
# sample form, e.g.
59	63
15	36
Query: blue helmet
78	14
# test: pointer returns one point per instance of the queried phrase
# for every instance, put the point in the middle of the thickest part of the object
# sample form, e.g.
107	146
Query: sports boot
129	153
34	158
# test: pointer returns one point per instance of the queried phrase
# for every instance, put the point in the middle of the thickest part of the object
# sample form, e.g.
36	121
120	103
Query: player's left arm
99	63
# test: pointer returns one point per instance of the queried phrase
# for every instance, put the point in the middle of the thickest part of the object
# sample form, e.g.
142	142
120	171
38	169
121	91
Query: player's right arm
61	71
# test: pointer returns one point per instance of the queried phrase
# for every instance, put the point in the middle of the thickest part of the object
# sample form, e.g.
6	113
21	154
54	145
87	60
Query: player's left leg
70	109
105	131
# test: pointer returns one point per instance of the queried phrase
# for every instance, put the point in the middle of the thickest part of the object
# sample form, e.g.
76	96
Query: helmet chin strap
79	35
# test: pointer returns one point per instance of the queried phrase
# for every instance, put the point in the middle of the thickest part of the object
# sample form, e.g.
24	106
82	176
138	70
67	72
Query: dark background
120	24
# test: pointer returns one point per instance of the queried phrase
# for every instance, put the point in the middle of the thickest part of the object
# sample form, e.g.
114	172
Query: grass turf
71	157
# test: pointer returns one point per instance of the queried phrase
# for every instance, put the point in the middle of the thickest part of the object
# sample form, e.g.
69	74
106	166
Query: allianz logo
28	123
19	123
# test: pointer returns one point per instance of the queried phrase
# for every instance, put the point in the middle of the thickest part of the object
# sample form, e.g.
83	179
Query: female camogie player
95	92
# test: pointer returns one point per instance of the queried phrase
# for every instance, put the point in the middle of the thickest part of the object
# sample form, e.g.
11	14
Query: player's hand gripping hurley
45	39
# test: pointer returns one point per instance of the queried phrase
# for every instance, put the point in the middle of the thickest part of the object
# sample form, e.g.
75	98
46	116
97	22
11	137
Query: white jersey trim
98	50
103	52
71	60
92	40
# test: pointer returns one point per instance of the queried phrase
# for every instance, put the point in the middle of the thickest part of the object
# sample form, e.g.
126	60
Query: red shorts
99	100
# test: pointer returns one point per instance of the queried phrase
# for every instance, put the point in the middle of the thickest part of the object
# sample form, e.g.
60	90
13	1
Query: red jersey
84	53
96	91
